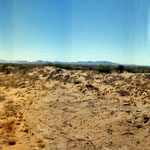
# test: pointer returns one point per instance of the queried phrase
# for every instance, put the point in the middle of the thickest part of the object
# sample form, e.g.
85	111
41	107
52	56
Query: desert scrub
121	69
8	127
91	87
104	69
132	70
26	130
2	98
5	69
144	102
12	110
124	93
41	144
139	125
12	140
45	74
63	66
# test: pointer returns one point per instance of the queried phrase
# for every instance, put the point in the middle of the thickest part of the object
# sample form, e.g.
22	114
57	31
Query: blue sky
75	30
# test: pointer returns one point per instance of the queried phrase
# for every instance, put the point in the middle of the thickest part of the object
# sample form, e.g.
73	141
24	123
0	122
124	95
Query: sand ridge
56	109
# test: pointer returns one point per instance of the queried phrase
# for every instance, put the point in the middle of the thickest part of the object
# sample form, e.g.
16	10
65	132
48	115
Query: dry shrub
139	125
26	130
11	110
92	87
41	71
12	141
124	93
8	127
41	144
45	74
2	98
77	81
145	101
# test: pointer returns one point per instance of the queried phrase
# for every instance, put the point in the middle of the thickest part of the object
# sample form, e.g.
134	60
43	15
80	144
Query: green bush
132	70
64	66
104	69
21	67
121	68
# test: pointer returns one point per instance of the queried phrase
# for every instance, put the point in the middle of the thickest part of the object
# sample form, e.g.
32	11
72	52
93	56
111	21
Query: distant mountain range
89	63
59	62
69	63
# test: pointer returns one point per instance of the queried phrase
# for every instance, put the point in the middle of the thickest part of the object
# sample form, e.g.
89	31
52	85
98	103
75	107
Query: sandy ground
56	109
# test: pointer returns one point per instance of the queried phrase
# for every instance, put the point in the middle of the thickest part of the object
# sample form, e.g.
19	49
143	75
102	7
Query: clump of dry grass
45	74
92	87
30	102
2	98
12	141
41	144
21	115
8	127
26	130
139	125
82	88
144	102
11	110
124	93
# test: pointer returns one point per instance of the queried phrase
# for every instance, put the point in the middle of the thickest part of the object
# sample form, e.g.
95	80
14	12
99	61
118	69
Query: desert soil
57	109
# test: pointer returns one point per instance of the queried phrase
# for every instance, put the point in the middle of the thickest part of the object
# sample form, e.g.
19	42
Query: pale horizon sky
75	30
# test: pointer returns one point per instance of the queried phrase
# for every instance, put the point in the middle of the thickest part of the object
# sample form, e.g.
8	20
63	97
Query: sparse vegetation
104	69
93	91
2	98
121	69
12	141
8	68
